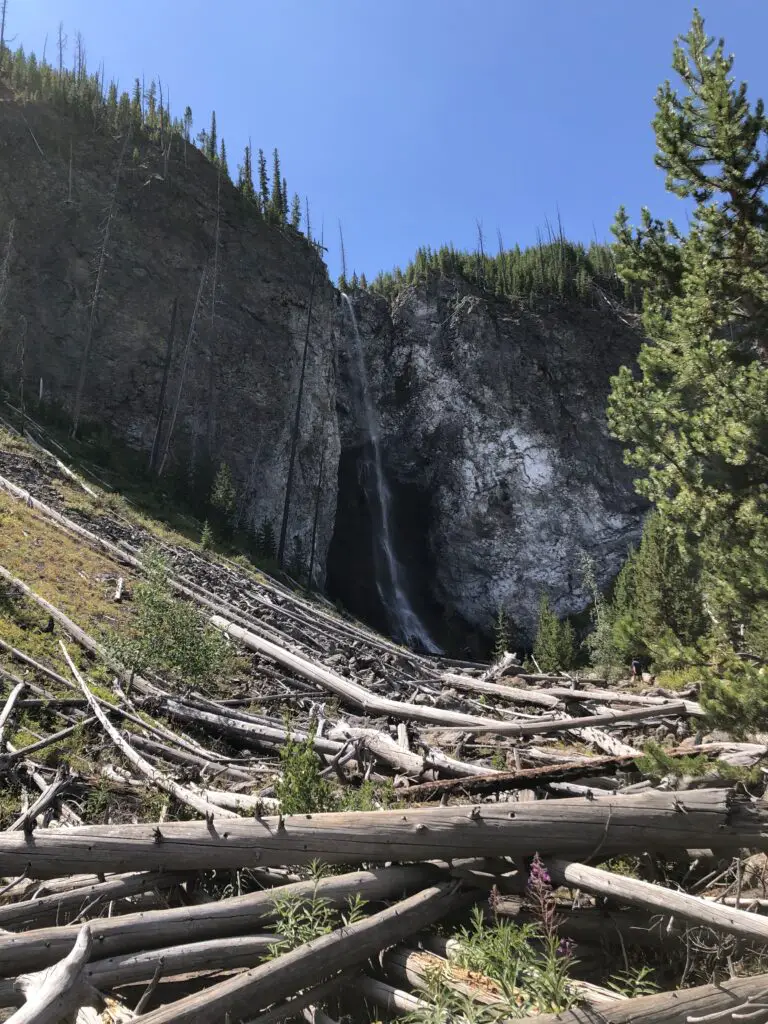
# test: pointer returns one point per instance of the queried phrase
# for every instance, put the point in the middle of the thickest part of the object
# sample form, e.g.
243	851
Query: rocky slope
238	398
497	451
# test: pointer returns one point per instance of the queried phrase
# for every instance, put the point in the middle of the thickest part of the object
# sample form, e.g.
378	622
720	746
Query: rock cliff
497	452
238	400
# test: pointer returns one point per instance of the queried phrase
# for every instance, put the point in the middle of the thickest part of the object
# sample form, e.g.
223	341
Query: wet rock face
495	443
245	356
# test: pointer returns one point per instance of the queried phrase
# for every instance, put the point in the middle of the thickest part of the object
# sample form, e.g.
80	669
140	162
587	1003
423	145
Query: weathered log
388	998
129	968
18	655
310	962
57	991
7	711
623	889
220	919
46	741
706	818
26	913
180	793
515	694
413	967
44	801
679	1007
183	757
350	692
566	724
316	994
386	749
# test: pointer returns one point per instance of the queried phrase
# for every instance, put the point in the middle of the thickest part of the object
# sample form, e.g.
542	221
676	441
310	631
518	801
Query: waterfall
405	623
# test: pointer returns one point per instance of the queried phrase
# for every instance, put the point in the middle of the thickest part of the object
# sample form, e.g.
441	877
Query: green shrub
301	788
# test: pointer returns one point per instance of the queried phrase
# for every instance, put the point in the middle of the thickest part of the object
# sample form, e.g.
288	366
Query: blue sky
409	120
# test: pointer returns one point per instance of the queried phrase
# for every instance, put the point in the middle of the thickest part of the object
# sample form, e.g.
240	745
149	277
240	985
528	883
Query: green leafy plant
301	788
555	645
300	919
634	982
168	634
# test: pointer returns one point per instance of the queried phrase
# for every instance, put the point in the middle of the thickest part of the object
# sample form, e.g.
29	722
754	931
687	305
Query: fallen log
189	958
350	692
623	889
312	961
566	724
388	998
663	821
316	994
58	991
7	711
683	1006
180	793
515	694
237	915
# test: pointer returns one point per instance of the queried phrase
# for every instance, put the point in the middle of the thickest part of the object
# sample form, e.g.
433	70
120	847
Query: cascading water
405	623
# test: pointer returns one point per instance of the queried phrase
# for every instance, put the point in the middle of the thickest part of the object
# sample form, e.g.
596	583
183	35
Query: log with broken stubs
131	933
575	828
679	1007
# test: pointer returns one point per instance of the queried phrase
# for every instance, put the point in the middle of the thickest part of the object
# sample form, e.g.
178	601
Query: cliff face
492	427
238	398
495	444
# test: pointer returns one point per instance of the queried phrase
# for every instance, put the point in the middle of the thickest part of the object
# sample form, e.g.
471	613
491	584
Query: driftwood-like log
44	801
578	829
26	913
351	693
222	918
183	757
388	998
216	955
7	711
638	893
515	694
312	961
565	724
676	1007
180	793
58	991
316	994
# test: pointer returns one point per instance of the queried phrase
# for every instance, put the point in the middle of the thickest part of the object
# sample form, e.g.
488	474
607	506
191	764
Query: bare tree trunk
163	386
316	517
311	962
296	424
237	915
183	373
3	11
57	992
96	292
575	828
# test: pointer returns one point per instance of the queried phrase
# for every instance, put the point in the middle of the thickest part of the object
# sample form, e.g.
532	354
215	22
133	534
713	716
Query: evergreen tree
554	647
223	497
266	543
696	418
187	124
276	199
263	183
296	212
363	281
245	177
211	144
223	160
136	104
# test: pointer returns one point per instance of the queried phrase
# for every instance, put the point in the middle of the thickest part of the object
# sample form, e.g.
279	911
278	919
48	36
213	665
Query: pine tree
554	647
245	177
211	145
223	160
363	281
696	419
276	199
223	497
263	183
136	110
188	124
296	212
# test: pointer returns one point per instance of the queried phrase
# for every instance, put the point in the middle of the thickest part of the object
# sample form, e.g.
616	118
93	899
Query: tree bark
237	915
312	961
578	829
58	991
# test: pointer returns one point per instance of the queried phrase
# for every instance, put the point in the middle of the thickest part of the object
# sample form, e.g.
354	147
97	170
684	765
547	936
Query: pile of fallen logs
153	883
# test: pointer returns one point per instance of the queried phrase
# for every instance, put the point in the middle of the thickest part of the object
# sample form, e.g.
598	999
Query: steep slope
238	398
497	452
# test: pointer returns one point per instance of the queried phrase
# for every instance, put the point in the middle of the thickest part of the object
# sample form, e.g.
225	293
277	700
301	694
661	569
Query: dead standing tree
97	291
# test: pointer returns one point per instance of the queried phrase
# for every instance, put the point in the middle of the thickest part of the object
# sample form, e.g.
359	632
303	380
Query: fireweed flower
566	947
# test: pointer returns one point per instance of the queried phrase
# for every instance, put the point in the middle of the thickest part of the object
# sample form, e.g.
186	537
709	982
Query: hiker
635	668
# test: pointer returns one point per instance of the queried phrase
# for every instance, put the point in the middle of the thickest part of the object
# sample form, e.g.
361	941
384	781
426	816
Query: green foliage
656	762
695	420
301	789
555	645
369	796
553	269
734	695
600	641
266	542
657	607
300	919
206	537
170	635
501	640
634	982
